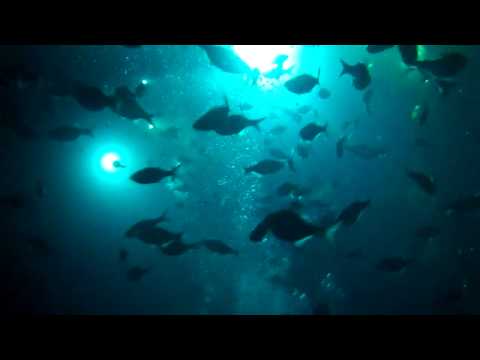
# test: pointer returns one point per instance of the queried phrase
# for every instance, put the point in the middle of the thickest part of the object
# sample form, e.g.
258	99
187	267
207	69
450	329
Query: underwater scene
240	179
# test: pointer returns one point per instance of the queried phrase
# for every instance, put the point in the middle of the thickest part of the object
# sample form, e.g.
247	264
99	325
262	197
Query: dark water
60	249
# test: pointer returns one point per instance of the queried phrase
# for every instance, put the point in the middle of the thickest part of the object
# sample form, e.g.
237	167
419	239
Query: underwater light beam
108	160
263	56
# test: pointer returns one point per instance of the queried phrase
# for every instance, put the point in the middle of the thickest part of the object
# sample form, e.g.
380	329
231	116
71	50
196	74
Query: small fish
125	104
448	65
143	225
213	118
302	84
68	133
312	130
425	182
157	236
122	255
266	167
152	175
136	273
420	114
466	204
359	72
286	225
352	212
234	124
219	247
375	49
393	264
177	247
90	97
324	93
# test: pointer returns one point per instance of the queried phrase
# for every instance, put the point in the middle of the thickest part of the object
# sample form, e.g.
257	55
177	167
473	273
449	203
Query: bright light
150	126
144	82
108	160
262	56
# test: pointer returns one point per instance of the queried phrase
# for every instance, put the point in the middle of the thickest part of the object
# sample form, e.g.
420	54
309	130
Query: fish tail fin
175	170
257	123
344	68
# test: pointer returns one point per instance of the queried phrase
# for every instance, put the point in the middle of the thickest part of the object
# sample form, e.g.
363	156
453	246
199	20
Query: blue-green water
86	208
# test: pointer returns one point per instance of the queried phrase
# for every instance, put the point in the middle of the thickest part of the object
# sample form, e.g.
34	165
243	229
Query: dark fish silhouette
393	264
234	124
466	204
152	175
157	236
424	182
225	59
90	97
352	213
136	273
125	104
219	247
68	133
266	167
302	84
213	118
140	90
310	131
177	247
446	66
409	54
359	72
286	225
143	225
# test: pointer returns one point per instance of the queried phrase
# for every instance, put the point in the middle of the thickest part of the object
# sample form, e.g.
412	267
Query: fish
375	49
448	65
122	255
143	225
219	247
409	54
136	273
286	225
225	59
352	213
465	204
213	118
310	131
420	114
366	152
140	90
278	130
367	100
234	124
177	247
359	72
302	84
89	97
340	146
68	133
324	93
118	165
157	236
427	232
152	175
125	104
393	264
423	181
266	167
